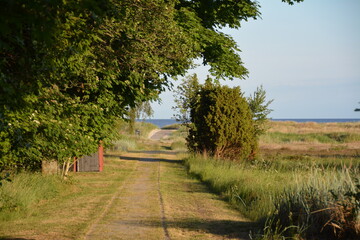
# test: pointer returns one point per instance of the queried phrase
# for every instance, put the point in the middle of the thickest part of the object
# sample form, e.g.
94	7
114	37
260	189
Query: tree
222	124
260	109
186	96
68	69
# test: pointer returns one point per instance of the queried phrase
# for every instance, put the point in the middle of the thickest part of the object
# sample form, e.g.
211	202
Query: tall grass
326	206
282	190
26	189
245	185
125	143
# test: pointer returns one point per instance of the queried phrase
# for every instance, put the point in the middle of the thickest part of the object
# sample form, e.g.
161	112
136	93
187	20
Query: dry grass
310	138
313	127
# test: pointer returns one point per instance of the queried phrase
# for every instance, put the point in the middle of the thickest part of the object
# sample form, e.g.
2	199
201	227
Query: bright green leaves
217	14
79	64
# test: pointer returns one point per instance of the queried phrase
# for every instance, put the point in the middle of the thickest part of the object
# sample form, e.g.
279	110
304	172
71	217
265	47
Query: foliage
190	95
260	109
222	124
186	97
69	69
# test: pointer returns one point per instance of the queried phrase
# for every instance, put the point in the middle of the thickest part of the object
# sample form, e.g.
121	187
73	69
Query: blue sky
306	56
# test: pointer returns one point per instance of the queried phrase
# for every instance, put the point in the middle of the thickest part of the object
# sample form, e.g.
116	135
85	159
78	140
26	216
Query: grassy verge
24	190
48	208
288	194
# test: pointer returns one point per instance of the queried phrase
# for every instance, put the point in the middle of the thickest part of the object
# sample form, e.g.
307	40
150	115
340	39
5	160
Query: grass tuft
26	189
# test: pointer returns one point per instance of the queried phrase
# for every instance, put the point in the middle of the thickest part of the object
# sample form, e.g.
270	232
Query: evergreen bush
221	124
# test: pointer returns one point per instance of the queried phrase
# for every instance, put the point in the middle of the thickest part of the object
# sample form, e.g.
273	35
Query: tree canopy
69	68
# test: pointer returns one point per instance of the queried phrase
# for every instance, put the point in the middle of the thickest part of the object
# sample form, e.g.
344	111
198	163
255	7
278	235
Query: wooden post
101	157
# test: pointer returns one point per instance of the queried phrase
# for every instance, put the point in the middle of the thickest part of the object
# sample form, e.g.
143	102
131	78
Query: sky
306	57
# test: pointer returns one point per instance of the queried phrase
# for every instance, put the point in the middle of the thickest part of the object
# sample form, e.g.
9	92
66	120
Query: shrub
222	124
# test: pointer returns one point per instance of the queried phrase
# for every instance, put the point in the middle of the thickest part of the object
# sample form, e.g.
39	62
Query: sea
164	122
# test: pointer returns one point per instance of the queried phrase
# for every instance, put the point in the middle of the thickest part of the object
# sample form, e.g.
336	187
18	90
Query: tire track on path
163	217
90	230
136	211
159	200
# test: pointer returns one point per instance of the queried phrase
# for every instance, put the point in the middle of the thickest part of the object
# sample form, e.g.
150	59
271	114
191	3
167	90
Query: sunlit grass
261	188
26	189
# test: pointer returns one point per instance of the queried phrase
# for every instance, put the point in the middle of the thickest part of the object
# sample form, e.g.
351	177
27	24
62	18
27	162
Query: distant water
164	122
161	122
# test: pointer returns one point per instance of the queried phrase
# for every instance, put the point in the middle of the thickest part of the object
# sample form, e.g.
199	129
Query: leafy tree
186	96
68	69
222	124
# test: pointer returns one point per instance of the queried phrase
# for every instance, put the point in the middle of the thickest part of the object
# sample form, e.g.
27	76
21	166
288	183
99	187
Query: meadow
304	184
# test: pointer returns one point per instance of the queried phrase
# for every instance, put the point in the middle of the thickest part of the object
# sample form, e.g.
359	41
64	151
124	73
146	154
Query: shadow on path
223	228
144	159
158	152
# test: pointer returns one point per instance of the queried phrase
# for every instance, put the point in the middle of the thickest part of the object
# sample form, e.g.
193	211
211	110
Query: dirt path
159	201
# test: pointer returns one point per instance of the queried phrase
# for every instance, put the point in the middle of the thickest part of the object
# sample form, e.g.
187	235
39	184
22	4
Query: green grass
145	128
49	208
261	189
27	189
127	142
173	126
246	186
278	137
178	145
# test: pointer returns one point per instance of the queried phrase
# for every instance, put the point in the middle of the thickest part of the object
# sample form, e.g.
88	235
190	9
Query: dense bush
222	123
